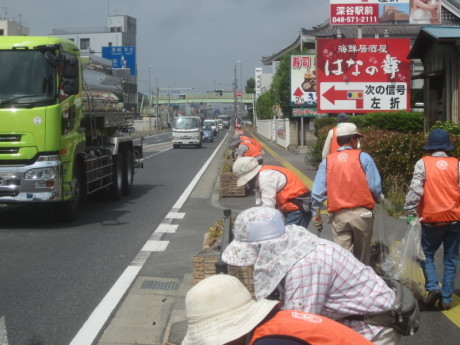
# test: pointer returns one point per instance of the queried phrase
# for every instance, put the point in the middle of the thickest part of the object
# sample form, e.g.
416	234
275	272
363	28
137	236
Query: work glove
410	218
318	223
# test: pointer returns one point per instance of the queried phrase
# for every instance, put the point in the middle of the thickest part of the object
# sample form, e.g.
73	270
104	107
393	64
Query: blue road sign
121	57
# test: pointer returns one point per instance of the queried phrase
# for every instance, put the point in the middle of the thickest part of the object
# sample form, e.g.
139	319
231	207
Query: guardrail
227	237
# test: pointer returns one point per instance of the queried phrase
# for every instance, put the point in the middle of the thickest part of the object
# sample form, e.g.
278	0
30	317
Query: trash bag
403	261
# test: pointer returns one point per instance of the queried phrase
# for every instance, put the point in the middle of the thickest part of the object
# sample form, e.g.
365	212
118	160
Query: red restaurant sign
363	75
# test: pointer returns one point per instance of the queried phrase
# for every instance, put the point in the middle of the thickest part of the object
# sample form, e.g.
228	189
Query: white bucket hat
263	241
220	309
244	169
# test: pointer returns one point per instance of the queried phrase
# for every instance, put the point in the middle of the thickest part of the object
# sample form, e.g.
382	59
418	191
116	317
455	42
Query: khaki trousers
352	230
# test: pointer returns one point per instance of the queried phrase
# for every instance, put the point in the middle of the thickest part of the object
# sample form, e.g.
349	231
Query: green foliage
401	121
250	85
448	126
281	84
264	105
313	156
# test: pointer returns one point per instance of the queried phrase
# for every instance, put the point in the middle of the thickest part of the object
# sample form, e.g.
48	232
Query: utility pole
150	100
235	105
158	106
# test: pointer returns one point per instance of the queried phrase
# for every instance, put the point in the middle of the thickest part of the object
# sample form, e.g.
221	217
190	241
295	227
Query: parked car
207	133
213	124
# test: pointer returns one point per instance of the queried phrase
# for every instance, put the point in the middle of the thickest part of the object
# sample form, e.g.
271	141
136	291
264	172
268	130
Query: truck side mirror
70	66
70	86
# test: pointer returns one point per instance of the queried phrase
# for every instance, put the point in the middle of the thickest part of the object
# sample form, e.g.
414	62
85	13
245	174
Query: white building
120	32
9	27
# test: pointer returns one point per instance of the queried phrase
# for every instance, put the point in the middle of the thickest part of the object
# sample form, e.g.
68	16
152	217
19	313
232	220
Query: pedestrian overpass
189	98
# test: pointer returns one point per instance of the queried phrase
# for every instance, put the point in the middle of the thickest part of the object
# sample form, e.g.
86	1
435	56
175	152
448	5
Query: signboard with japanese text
121	57
303	81
362	12
306	112
363	75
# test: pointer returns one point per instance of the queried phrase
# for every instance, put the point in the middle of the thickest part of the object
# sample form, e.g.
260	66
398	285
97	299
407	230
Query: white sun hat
263	241
220	309
244	169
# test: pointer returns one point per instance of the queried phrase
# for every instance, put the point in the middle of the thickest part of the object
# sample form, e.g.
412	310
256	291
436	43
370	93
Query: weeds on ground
395	197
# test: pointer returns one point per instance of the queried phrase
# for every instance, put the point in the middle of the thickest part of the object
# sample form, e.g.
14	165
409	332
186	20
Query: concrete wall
282	131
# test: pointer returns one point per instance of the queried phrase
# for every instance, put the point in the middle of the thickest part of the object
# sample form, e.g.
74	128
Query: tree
250	85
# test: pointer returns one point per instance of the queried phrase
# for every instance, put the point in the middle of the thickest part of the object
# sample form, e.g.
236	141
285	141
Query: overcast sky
187	42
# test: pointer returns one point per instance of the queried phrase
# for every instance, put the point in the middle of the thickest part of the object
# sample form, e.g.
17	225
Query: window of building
2	32
84	43
110	44
115	29
72	39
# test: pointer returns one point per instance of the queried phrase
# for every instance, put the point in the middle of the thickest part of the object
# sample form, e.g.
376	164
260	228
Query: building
10	27
120	32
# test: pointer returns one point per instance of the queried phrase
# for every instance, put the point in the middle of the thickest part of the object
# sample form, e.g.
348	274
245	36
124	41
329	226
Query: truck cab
186	131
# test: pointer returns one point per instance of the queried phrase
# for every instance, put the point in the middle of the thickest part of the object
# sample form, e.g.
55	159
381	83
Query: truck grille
9	150
8	138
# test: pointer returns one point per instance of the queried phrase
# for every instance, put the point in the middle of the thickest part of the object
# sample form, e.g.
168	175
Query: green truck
56	146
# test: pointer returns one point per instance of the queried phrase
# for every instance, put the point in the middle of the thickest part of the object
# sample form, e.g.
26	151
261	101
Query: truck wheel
175	146
128	171
68	210
116	188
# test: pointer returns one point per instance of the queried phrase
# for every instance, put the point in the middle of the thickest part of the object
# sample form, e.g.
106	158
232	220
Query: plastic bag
403	261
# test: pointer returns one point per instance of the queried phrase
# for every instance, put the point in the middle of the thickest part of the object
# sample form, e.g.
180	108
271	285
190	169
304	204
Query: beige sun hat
244	169
220	309
347	128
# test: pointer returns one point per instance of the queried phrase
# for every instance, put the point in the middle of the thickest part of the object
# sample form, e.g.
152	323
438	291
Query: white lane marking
155	246
3	333
100	315
93	326
180	202
175	215
169	228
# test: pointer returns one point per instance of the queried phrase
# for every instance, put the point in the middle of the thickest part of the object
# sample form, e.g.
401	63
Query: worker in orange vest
238	319
434	196
275	187
253	142
351	183
331	145
246	148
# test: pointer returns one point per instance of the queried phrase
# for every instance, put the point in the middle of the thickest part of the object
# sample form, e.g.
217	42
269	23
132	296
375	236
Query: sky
188	43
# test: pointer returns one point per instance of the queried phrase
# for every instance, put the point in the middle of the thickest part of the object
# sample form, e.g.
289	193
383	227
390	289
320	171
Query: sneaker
432	298
444	306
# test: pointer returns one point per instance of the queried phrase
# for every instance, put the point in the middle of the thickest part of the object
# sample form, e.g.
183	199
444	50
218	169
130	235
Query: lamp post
241	86
150	99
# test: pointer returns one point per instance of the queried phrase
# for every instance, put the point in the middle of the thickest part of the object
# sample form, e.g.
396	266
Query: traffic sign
121	57
363	75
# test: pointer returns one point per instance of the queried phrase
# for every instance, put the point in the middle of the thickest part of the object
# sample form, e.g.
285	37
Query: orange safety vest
441	197
294	187
253	142
314	329
346	182
252	150
334	144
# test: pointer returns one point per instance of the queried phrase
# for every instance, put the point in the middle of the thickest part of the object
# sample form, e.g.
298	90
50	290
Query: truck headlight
40	174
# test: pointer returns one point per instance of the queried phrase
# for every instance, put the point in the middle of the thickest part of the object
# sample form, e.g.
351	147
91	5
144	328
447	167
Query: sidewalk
132	323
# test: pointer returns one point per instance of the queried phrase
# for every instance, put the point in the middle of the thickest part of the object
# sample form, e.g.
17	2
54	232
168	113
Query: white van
186	130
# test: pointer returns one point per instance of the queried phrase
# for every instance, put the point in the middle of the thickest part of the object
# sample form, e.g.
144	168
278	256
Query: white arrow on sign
3	335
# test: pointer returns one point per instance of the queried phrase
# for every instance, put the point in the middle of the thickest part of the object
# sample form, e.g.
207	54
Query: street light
241	86
150	99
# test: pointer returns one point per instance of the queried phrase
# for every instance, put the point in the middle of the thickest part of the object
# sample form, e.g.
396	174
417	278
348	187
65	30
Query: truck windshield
186	123
25	77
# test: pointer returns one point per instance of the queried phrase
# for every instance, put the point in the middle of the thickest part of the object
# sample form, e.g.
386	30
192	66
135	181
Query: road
53	276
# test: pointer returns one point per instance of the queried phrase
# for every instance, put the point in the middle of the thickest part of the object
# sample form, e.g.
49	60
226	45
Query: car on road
213	124
207	133
220	124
